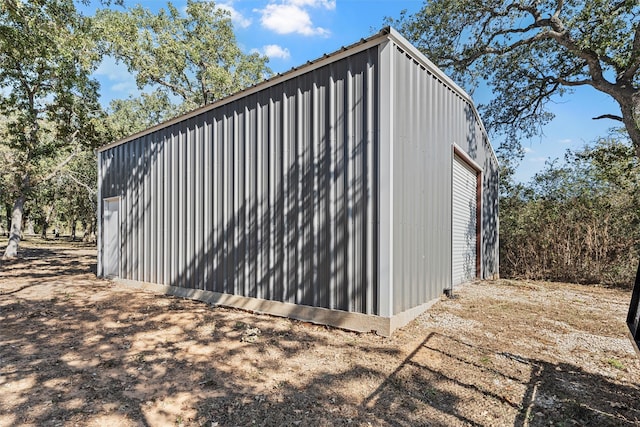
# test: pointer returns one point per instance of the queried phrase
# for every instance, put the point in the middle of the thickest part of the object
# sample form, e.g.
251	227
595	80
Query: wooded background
577	220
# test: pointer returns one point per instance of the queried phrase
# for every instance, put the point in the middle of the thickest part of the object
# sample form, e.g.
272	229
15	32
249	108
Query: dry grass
75	350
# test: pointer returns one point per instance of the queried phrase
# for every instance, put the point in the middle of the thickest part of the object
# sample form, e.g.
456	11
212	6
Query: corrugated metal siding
329	188
428	118
422	214
269	196
490	215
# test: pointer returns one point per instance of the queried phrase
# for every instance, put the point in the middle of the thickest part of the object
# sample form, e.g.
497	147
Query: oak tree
530	51
192	56
134	114
47	97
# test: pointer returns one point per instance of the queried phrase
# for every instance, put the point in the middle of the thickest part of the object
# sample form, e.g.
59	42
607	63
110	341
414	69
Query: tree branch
57	169
565	82
89	189
550	28
634	62
556	14
608	116
488	50
176	89
591	58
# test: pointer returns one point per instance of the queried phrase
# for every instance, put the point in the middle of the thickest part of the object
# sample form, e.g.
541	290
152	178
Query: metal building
350	191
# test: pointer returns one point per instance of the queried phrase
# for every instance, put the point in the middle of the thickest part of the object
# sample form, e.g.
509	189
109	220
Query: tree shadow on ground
78	350
429	388
547	393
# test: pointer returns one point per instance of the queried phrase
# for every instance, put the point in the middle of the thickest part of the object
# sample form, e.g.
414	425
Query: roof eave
343	52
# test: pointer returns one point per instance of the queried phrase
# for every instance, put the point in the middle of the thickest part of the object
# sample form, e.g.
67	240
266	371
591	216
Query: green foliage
616	364
48	100
49	106
131	115
50	118
67	198
578	221
194	57
530	52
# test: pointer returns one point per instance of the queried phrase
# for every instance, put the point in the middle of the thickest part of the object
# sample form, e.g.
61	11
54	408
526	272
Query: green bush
577	221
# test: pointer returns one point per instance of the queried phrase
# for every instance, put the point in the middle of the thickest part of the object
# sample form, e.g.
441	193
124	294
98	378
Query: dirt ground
76	350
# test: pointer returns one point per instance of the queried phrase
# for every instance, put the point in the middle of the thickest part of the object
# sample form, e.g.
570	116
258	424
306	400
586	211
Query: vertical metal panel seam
370	186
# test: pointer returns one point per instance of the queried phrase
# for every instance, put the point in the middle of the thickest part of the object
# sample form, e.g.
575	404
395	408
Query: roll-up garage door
464	233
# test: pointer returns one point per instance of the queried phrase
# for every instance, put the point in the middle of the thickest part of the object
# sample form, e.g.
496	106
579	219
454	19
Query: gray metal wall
269	196
330	188
427	118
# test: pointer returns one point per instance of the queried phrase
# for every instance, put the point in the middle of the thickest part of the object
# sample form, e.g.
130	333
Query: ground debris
251	335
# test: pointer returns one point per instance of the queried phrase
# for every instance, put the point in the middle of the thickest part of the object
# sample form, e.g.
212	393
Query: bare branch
493	51
58	168
532	10
536	105
617	7
555	30
89	189
590	57
175	88
556	14
608	116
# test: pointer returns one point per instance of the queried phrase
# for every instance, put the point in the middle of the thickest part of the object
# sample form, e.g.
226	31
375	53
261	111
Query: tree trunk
47	220
16	229
630	108
89	232
8	218
28	227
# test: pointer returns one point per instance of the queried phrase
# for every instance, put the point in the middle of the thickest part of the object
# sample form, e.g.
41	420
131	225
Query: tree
79	201
49	102
194	57
577	220
134	114
530	51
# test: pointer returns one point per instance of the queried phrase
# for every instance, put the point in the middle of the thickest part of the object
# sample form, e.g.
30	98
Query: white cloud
528	150
287	18
128	87
327	4
275	51
115	75
111	69
236	17
565	141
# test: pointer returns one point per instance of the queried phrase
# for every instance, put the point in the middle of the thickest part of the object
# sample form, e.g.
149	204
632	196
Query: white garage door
464	232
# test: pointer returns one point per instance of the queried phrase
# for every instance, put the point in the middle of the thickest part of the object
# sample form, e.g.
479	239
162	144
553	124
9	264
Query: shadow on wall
473	131
490	193
490	218
280	212
273	196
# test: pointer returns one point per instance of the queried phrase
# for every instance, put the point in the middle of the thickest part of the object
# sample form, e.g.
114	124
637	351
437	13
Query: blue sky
292	32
